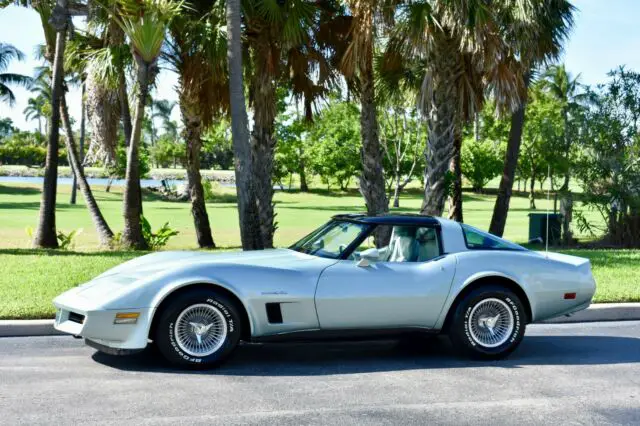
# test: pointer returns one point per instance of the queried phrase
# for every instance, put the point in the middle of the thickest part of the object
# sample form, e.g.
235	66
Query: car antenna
546	239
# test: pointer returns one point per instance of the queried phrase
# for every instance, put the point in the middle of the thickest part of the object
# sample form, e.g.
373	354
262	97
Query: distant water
92	181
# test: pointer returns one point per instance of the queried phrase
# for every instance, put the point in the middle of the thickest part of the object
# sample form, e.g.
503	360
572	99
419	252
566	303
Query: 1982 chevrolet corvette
435	275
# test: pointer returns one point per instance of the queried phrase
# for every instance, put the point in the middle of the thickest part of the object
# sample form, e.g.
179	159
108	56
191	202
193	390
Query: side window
478	240
406	244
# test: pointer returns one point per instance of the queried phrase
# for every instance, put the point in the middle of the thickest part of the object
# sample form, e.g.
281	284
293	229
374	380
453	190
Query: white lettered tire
488	323
199	328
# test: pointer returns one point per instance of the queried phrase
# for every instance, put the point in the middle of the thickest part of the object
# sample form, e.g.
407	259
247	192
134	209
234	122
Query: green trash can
538	227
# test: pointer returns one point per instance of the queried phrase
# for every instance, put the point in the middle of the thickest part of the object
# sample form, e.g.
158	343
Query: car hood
168	260
136	274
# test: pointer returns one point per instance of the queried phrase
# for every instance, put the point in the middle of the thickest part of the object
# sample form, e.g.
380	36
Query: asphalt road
561	374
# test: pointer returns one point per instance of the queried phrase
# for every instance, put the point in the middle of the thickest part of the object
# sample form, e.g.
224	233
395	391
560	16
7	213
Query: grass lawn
30	278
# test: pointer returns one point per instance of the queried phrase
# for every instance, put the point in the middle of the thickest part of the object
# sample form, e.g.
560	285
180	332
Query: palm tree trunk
247	209
372	185
132	205
116	38
105	235
191	135
46	236
74	183
455	201
263	145
501	207
441	122
125	112
74	187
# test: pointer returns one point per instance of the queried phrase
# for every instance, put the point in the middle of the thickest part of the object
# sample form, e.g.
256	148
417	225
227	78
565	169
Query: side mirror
369	256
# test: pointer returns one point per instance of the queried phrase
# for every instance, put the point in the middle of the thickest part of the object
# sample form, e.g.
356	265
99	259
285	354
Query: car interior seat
427	244
402	246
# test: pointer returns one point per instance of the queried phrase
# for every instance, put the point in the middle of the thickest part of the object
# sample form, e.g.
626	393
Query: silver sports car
356	276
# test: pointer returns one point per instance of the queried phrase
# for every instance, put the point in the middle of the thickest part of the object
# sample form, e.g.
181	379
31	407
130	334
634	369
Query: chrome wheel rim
200	330
491	323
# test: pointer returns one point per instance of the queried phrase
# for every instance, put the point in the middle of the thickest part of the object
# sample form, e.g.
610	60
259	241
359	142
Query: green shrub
157	239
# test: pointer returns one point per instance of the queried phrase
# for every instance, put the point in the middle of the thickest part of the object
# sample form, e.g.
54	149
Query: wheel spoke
491	322
201	330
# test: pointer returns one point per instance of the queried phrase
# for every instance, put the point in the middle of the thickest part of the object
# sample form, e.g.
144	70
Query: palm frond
9	53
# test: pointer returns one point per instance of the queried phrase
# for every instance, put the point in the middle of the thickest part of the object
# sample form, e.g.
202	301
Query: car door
383	294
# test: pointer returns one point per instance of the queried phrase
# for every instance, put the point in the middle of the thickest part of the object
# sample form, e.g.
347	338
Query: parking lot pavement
568	373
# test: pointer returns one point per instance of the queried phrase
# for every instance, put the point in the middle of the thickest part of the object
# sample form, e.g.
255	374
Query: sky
606	34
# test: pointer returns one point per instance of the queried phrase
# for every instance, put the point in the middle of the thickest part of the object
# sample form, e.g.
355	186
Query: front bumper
110	350
77	316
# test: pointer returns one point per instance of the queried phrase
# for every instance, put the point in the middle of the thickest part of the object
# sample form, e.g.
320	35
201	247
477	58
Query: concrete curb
602	312
16	328
596	312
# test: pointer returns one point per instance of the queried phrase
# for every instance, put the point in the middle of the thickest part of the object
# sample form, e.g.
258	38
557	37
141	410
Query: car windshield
331	240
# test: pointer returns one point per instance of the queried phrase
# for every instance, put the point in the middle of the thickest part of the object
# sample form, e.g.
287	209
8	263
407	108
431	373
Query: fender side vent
274	314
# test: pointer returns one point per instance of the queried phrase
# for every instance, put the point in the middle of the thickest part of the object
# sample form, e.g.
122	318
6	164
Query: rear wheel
488	323
200	328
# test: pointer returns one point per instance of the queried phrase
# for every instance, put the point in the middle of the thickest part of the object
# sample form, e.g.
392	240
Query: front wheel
488	323
200	328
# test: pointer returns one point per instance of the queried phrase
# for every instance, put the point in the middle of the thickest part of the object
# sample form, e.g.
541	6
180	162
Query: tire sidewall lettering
197	360
515	334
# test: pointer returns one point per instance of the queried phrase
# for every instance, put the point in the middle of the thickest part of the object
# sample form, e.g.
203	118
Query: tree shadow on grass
316	359
105	253
54	252
18	190
27	205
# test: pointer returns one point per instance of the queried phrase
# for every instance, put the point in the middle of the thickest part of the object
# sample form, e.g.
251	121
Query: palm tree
247	208
145	24
198	53
536	43
565	89
43	76
162	109
358	64
465	58
46	236
9	53
35	110
283	46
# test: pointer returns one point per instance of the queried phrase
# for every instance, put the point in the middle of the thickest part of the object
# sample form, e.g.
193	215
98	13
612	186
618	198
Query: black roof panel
389	219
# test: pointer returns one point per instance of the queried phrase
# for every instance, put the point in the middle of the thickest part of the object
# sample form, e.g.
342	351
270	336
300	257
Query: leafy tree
481	161
6	127
217	146
335	145
609	165
402	135
292	149
23	148
542	139
8	53
167	152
